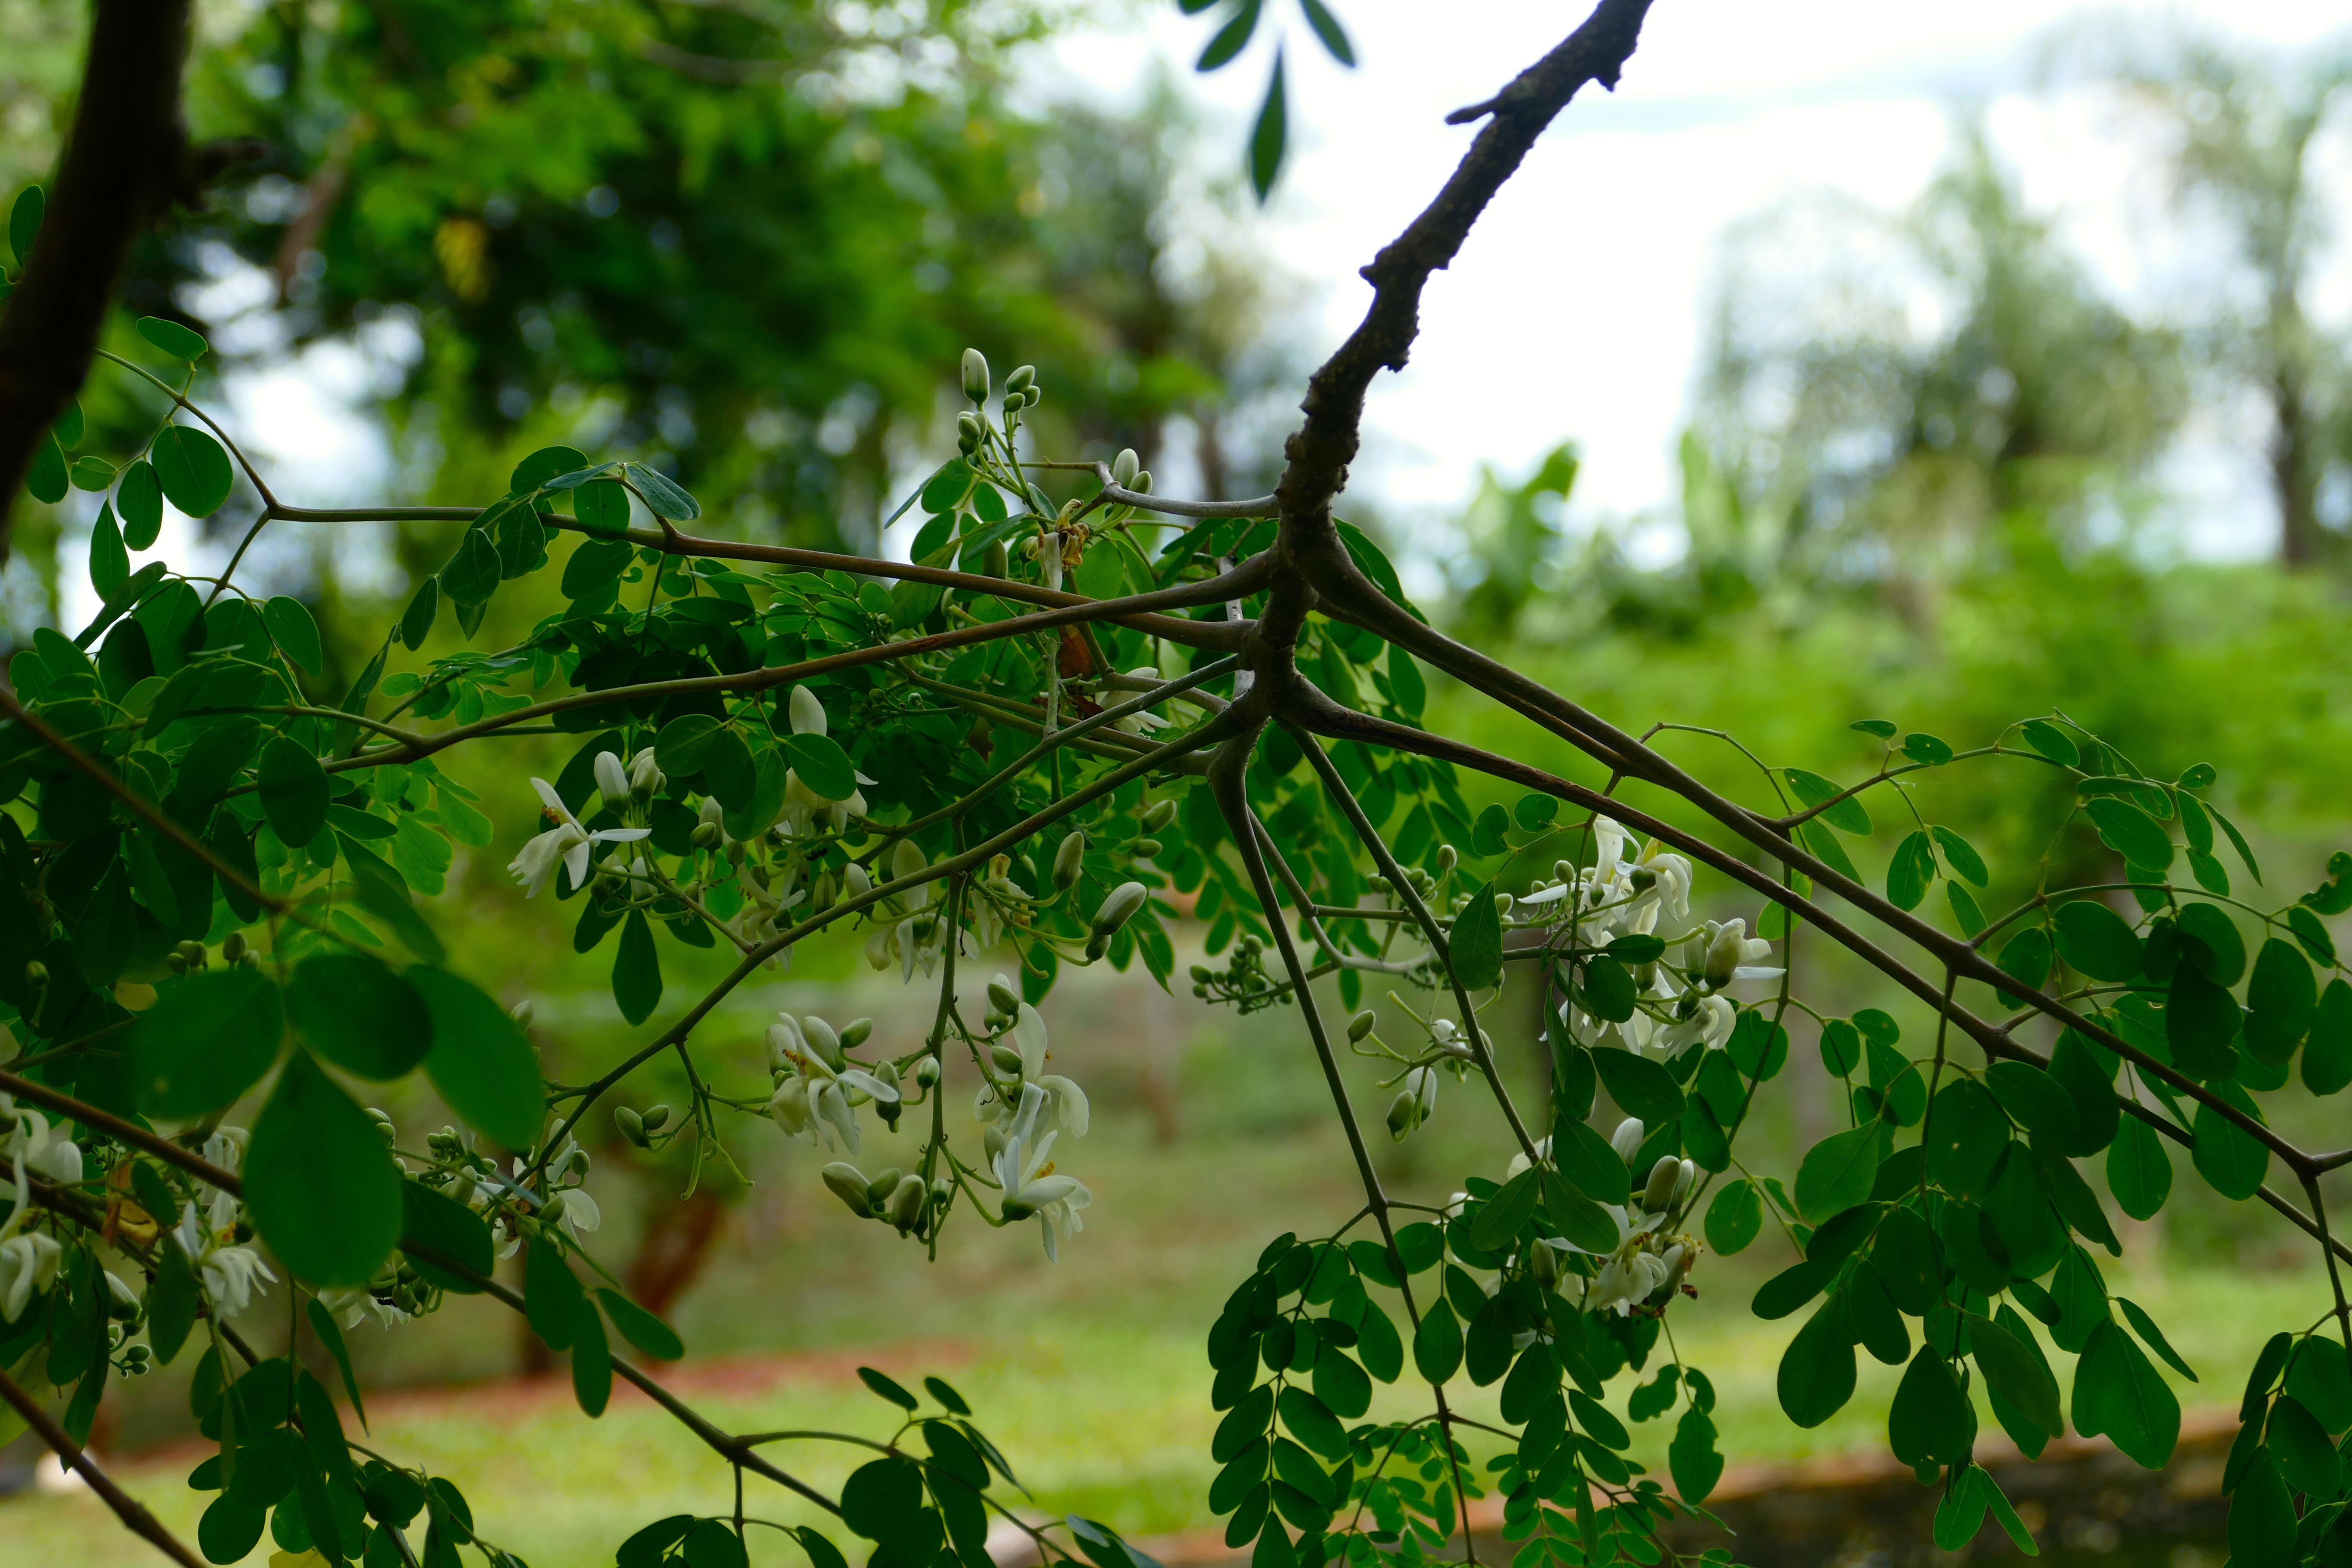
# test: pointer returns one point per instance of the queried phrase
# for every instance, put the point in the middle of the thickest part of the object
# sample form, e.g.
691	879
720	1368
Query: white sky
1576	308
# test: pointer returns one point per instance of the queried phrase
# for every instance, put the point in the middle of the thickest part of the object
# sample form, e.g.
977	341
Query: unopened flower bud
849	1183
1686	1181
1544	1264
1125	466
975	375
1202	972
630	1125
612	779
806	711
908	860
878	1190
1362	1024
993	560
927	1071
822	1040
194	951
383	1125
1658	1193
657	1118
523	1012
1447	858
1627	1139
1161	813
1724	954
1002	997
1068	858
1020	380
855	1033
706	835
1117	907
905	1202
1006	1059
1404	1115
1143	485
233	947
969	432
1100	944
855	881
37	973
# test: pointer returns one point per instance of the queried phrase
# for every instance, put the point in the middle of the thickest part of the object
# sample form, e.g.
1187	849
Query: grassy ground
1210	1137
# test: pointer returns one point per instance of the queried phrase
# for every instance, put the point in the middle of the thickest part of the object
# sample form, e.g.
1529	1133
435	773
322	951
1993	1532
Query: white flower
1142	721
576	1209
807	714
567	841
1608	844
1031	1186
1710	1021
231	1276
812	1104
357	1307
612	779
1627	1139
28	1264
60	1162
1519	1161
645	776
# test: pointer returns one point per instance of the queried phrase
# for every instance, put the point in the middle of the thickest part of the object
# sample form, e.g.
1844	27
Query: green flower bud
1144	849
1125	466
855	880
853	1034
1543	1263
1068	858
1446	859
1117	907
523	1012
194	951
849	1183
1020	381
1404	1115
1658	1193
927	1071
1006	1059
1627	1140
657	1118
1031	398
1161	813
1002	997
1202	972
1362	1024
384	1129
992	561
1096	946
1143	485
705	835
906	1203
37	973
878	1190
233	947
630	1125
975	375
968	429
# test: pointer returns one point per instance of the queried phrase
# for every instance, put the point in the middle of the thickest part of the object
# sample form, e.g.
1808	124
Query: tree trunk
126	158
2292	470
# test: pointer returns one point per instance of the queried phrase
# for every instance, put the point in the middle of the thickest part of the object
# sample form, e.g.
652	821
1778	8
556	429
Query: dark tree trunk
2293	469
126	159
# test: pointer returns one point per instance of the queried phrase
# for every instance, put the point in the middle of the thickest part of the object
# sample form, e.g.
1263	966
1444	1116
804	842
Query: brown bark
126	157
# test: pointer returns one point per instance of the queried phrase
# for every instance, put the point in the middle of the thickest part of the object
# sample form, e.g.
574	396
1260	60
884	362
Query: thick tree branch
126	159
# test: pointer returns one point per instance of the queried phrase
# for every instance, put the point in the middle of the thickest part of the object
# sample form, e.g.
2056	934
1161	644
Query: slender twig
128	1508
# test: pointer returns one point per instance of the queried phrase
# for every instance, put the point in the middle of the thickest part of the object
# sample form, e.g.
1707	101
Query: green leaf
1837	1173
2153	1337
641	1327
2237	842
2232	1160
1334	40
2327	1055
1841	1047
1825	848
2119	1395
140	500
2051	742
192	469
45	479
2035	1099
472	572
1577	1217
2140	1171
2131	833
1488	834
821	766
24	226
1585	1158
662	494
1816	1376
1692	1458
1961	856
480	1064
208	1038
1475	943
294	791
1230	40
173	338
1790	1289
637	970
1847	815
110	564
1910	872
1927	749
2096	941
1930	1421
171	1300
359	1015
2280	1000
2201	1019
295	633
1269	138
1507	1212
330	1335
1641	1085
1437	1343
321	1185
2014	1372
436	1229
1734	1217
548	463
